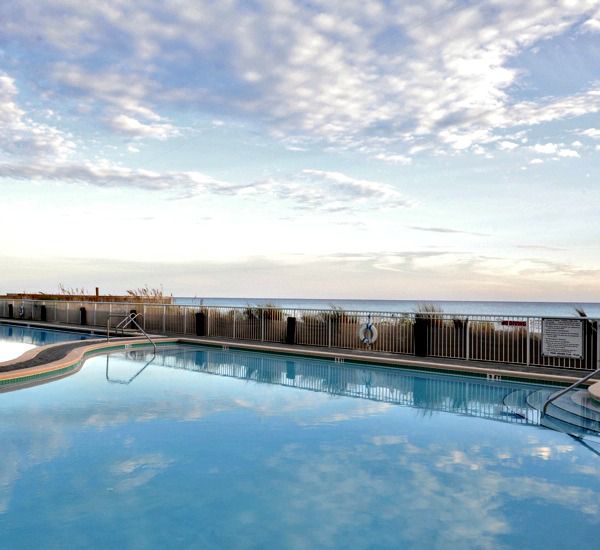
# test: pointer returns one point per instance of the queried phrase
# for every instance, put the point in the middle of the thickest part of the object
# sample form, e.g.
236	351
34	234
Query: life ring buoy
367	333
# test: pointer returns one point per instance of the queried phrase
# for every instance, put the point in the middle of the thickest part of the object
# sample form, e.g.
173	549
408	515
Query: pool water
207	448
16	340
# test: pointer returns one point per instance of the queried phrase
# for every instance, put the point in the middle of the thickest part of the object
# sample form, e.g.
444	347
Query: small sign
511	323
562	338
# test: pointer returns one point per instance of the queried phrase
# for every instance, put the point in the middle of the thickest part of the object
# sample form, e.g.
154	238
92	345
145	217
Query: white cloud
307	189
394	159
123	97
593	133
568	153
106	174
344	74
133	127
21	136
332	191
507	145
536	161
554	149
593	23
315	189
528	113
545	149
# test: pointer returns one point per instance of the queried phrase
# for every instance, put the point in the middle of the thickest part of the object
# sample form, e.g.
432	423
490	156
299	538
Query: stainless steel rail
125	322
132	378
560	393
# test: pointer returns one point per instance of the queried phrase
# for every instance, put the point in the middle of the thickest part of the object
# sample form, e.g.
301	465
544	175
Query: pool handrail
562	392
125	322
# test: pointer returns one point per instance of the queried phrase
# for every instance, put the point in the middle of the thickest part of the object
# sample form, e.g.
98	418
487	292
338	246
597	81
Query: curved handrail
131	379
565	390
131	318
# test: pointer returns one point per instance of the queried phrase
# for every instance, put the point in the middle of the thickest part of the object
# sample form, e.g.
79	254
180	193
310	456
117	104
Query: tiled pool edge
74	359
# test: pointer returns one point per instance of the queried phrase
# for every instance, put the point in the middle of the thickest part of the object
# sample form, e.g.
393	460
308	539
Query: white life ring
367	333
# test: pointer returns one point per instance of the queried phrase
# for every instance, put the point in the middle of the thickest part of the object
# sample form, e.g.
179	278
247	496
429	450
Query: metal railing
562	392
125	322
129	380
487	338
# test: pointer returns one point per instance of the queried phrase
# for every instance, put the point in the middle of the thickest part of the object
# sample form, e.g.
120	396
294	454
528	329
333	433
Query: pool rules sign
562	338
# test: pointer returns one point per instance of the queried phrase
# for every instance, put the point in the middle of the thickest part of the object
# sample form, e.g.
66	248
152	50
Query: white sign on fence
562	338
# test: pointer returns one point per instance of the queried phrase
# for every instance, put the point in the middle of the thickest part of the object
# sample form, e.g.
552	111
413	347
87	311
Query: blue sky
358	149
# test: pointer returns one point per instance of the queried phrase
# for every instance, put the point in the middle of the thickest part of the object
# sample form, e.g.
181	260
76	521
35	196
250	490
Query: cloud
592	24
545	149
540	247
332	191
137	471
123	98
568	153
345	75
553	149
21	136
593	133
528	113
368	274
104	174
507	145
394	159
446	230
133	127
307	189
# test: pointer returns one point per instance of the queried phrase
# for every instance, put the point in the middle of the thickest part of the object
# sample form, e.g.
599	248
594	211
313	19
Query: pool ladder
129	319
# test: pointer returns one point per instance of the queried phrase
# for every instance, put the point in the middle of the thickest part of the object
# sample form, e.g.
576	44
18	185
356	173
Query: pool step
573	412
516	402
560	426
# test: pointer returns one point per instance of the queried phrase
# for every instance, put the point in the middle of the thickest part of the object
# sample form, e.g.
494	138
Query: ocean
541	309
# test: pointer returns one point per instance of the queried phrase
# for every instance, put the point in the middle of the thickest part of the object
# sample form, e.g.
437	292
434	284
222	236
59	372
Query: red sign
514	323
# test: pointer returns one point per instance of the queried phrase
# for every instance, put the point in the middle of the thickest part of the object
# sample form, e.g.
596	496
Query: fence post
185	312
95	308
208	322
68	304
164	322
329	331
262	325
234	318
528	343
144	316
467	340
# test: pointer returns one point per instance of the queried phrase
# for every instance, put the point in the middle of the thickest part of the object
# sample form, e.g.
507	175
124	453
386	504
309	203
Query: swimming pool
16	339
210	448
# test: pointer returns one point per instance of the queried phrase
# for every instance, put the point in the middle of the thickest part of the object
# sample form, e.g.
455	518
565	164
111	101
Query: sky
357	149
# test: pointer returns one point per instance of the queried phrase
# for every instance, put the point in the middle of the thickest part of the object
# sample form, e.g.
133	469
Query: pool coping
72	361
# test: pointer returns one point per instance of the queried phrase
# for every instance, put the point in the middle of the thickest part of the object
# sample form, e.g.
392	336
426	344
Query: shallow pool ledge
27	367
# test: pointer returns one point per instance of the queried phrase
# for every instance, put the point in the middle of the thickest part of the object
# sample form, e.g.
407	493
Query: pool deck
51	362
